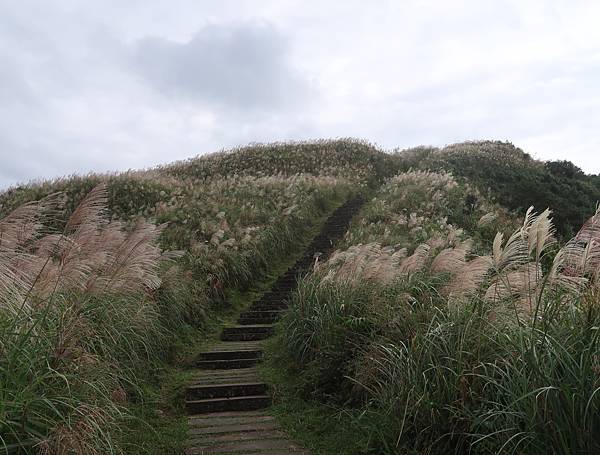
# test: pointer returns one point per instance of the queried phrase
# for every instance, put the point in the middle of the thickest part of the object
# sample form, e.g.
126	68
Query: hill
508	175
104	277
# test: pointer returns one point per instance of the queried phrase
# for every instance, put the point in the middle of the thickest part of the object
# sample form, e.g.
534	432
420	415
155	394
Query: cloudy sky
106	85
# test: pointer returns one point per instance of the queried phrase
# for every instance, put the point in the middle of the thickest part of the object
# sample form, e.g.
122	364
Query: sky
112	85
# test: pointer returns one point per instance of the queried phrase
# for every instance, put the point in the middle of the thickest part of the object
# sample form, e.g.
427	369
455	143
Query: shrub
513	178
486	346
88	300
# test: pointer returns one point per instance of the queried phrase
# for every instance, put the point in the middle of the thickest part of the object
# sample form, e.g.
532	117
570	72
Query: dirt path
227	401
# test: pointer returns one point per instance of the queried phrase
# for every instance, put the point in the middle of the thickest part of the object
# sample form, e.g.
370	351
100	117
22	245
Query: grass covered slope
510	176
422	335
336	158
104	273
426	332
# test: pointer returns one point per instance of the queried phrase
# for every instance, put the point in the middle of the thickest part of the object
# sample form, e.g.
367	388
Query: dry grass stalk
416	261
373	262
487	219
91	255
468	278
522	282
539	232
364	262
451	260
80	437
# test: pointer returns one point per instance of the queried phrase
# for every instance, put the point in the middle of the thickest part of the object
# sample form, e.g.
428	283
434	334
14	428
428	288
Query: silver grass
416	261
569	268
486	219
450	260
522	282
469	278
91	211
363	262
540	233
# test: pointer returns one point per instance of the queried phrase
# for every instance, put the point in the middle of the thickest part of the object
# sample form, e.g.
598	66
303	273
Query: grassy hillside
425	332
342	158
91	294
510	176
421	335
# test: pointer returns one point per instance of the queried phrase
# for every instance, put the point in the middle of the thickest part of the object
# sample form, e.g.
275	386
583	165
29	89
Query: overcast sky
105	85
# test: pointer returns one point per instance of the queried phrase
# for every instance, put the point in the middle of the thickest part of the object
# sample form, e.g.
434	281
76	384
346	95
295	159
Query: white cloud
112	85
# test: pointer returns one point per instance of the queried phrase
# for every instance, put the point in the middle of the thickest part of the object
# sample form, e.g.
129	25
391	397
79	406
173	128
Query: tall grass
482	345
76	313
506	173
89	303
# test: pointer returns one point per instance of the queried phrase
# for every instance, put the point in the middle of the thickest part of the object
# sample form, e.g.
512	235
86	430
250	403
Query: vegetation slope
446	323
101	276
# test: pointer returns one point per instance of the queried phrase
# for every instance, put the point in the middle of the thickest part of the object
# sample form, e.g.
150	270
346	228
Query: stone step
286	282
266	306
234	346
246	332
221	380
202	392
250	336
282	287
259	317
207	423
211	431
236	376
280	292
274	301
230	355
247	436
227	364
228	373
245	403
257	320
260	313
256	447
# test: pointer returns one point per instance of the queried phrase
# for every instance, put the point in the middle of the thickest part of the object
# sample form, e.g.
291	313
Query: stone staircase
226	396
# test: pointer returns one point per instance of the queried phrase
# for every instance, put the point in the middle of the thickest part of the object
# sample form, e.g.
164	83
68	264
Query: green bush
440	343
511	177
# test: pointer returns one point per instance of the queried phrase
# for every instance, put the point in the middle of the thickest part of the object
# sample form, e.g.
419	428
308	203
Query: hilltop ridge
500	170
110	283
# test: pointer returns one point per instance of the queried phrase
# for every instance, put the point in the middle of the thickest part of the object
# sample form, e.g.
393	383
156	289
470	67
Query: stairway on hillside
226	400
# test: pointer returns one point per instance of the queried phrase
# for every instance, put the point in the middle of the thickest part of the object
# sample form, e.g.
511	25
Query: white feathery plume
486	219
469	278
540	233
450	260
521	282
589	235
416	261
568	269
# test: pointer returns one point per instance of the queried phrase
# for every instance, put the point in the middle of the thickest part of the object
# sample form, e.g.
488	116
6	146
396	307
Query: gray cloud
95	86
242	66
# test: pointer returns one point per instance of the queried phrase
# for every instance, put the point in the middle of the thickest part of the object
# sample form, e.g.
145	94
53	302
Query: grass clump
75	321
505	173
95	312
430	340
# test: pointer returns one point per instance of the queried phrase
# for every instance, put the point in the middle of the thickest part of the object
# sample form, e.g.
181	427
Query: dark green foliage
564	169
514	179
